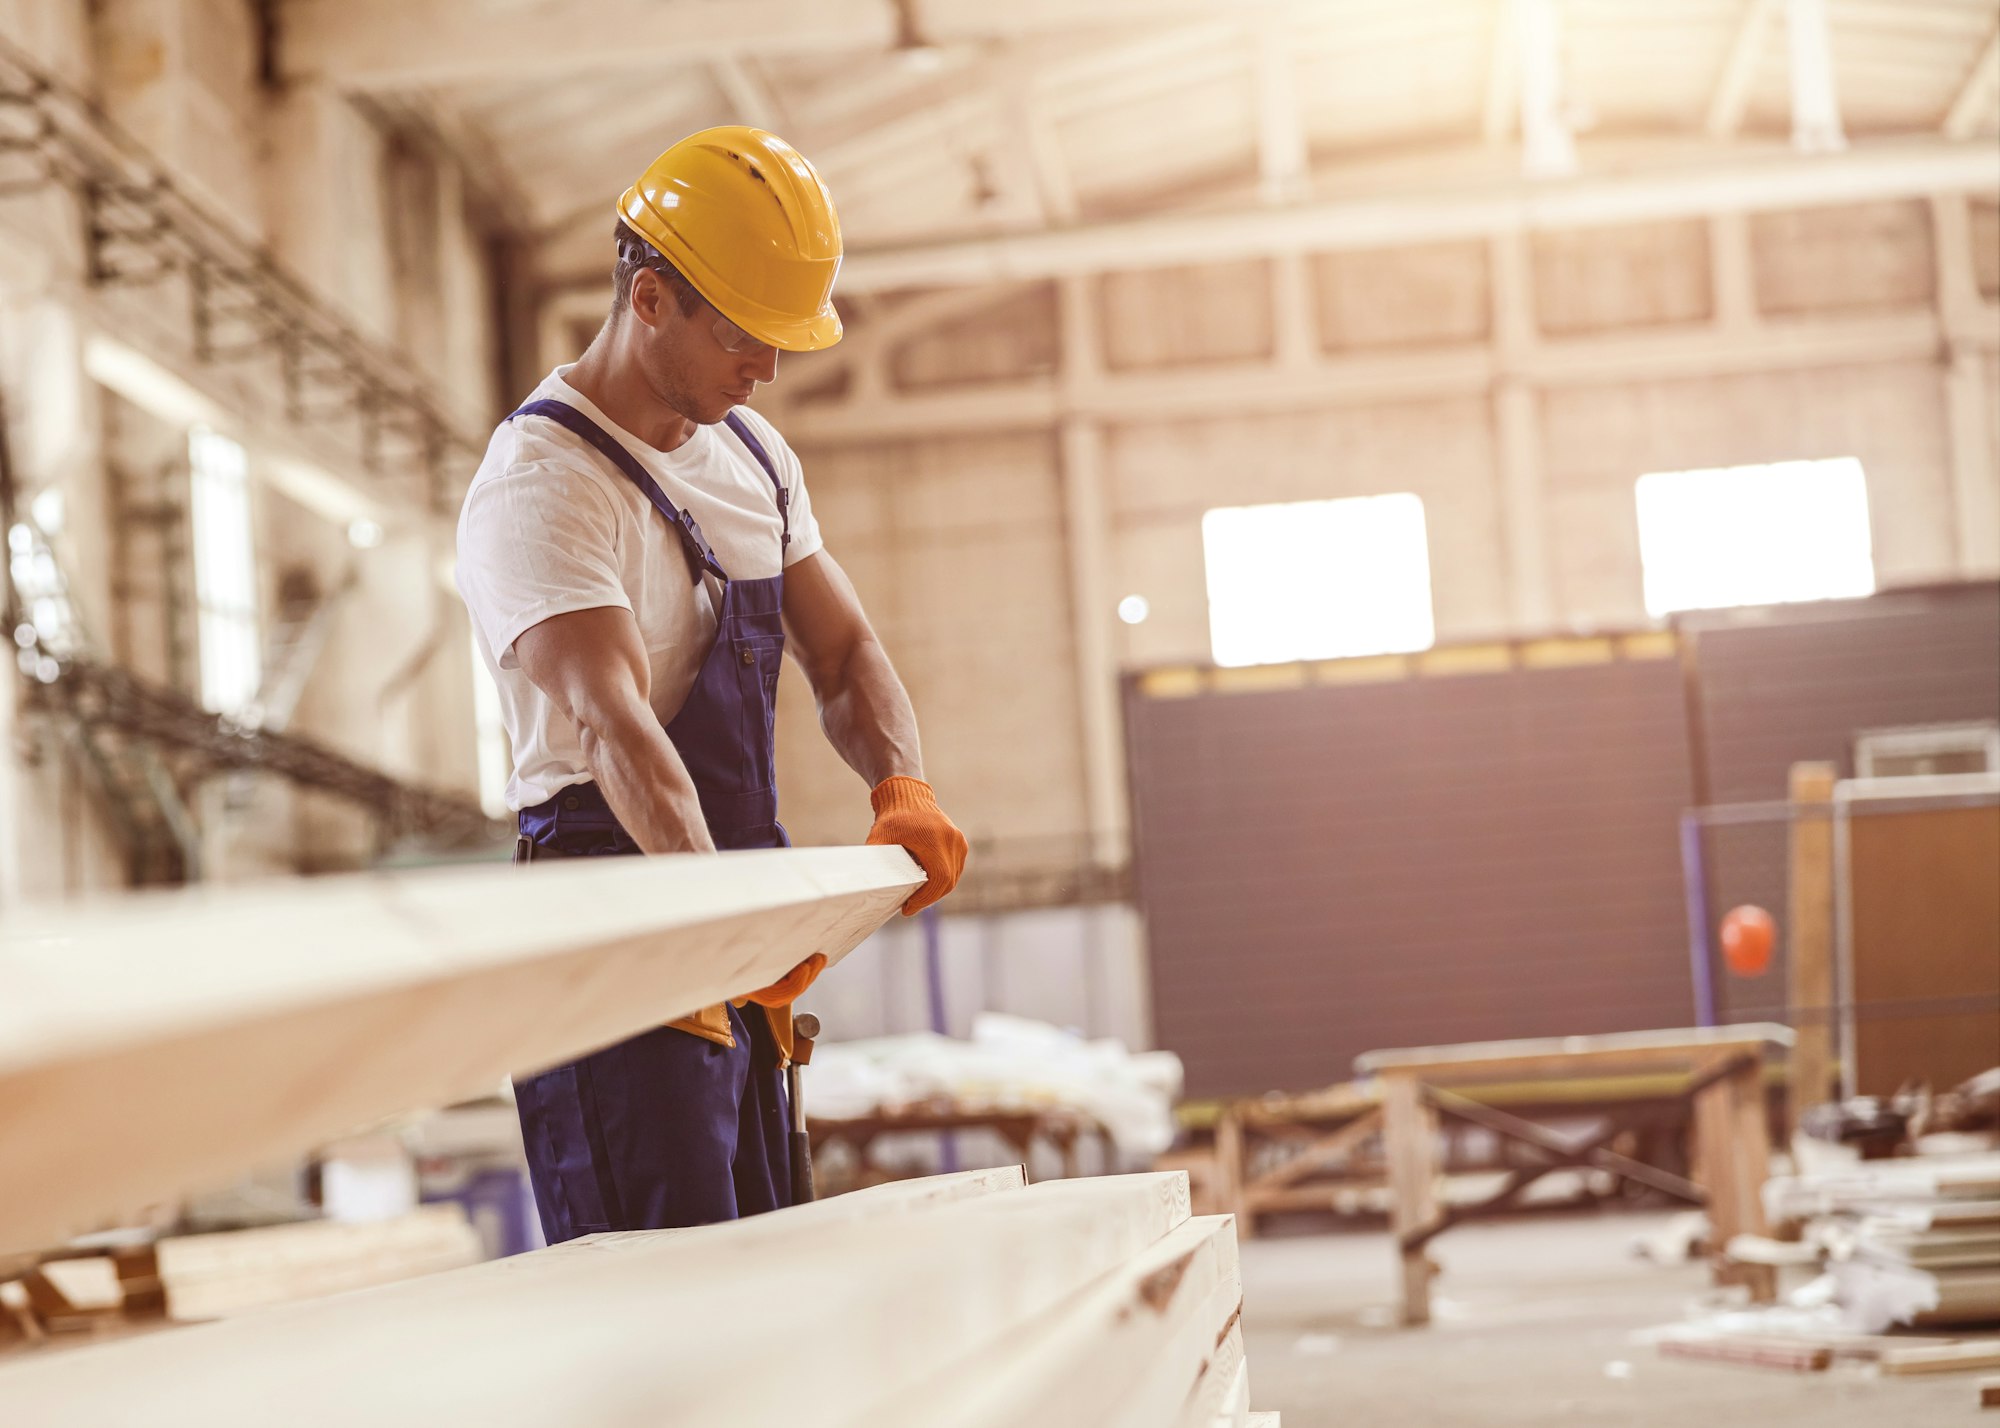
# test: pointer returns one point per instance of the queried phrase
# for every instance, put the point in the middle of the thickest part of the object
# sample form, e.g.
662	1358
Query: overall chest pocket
757	660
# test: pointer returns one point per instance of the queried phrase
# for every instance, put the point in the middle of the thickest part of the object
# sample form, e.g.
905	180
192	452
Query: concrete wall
378	222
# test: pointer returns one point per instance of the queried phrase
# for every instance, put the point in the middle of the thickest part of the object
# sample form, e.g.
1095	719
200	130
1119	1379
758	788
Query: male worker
636	550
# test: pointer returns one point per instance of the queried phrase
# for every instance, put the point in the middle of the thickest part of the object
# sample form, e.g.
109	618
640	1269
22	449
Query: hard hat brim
821	331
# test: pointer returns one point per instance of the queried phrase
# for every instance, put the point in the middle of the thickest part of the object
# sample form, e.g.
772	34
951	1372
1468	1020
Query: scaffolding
139	228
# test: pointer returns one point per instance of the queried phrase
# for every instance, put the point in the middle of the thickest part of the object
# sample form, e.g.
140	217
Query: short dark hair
635	253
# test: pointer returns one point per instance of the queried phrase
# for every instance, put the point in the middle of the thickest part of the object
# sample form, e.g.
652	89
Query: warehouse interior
1447	558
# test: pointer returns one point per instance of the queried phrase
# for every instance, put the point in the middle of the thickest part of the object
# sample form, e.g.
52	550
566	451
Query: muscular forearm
867	717
645	782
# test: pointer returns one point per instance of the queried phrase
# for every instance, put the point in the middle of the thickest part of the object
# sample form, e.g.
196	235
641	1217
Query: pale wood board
1577	1055
155	1043
700	1331
1949	1358
1809	938
1126	1349
1221	1397
216	1275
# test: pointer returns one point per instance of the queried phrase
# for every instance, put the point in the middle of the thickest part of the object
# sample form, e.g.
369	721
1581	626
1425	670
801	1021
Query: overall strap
700	557
756	447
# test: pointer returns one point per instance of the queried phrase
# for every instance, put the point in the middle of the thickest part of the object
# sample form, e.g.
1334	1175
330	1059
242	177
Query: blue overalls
668	1129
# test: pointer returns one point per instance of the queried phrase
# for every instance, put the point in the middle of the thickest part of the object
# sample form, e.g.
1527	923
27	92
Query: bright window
1755	535
225	573
1317	579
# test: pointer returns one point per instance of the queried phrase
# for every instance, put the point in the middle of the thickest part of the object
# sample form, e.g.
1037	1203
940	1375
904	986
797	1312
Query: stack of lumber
949	1302
1910	1242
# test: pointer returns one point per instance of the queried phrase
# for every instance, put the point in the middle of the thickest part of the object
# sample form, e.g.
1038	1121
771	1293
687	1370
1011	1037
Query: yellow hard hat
743	215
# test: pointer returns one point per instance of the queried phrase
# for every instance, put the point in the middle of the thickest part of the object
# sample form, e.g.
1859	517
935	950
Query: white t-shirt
550	526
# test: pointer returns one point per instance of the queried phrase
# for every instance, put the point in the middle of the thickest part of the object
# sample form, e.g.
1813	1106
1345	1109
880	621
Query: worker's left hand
907	813
790	987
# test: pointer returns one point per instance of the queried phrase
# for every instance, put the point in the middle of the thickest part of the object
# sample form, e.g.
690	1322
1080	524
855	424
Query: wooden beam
1409	1144
1739	70
1726	181
1126	1353
1680	1049
160	1042
1503	77
1283	160
1970	410
1975	96
384	44
1810	989
1548	150
1816	126
750	99
639	1330
1459	370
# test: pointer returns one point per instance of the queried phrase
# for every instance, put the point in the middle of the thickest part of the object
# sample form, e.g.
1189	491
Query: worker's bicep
534	542
824	621
591	663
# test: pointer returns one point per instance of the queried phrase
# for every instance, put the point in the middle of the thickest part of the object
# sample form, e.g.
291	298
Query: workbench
1722	1071
1019	1127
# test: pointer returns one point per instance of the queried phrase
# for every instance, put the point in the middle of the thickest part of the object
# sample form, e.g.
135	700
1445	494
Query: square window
1317	579
1755	535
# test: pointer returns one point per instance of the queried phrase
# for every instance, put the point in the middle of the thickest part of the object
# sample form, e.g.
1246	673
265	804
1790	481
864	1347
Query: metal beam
1728	181
1739	70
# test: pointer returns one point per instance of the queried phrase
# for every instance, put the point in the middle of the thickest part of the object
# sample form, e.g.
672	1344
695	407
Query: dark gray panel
1324	871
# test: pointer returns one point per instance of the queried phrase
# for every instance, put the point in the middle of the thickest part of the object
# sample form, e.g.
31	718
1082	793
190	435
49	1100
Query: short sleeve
534	541
806	539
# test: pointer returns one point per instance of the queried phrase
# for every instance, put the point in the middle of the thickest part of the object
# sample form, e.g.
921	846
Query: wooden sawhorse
1725	1070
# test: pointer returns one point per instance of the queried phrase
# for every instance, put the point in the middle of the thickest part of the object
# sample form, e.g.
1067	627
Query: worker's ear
649	296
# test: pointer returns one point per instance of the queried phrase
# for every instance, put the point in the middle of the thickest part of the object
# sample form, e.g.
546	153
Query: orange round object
1748	935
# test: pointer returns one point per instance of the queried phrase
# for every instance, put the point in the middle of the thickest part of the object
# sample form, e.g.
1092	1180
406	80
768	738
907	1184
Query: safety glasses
734	338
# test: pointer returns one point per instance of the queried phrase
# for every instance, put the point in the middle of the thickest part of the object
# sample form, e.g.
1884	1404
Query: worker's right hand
790	987
907	814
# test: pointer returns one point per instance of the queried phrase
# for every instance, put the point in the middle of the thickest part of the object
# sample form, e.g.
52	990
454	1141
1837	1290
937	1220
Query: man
637	549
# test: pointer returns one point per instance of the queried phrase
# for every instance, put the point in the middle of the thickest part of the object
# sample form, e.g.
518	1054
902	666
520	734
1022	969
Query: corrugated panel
1332	869
1785	686
1795	685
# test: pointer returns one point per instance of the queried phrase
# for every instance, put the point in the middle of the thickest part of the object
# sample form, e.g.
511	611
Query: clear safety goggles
734	338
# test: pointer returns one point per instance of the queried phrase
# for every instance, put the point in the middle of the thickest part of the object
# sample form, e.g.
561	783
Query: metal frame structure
139	228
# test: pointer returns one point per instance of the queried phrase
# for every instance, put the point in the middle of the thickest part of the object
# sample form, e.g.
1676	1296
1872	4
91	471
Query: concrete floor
1535	1320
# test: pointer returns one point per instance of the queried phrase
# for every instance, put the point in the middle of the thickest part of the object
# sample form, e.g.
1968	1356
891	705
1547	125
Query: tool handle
802	1168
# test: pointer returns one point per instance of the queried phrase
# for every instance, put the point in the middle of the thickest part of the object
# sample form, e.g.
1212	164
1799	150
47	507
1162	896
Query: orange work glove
907	813
790	987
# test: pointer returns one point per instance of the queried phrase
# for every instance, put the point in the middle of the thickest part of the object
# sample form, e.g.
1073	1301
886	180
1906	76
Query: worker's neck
615	381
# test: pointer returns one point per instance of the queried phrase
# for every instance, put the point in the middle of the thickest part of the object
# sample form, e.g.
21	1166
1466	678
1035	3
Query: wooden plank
679	1331
155	1043
1128	1350
1951	1358
1315	1155
1989	1393
212	1276
1409	1135
1809	988
1575	1055
1221	1397
1762	1353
